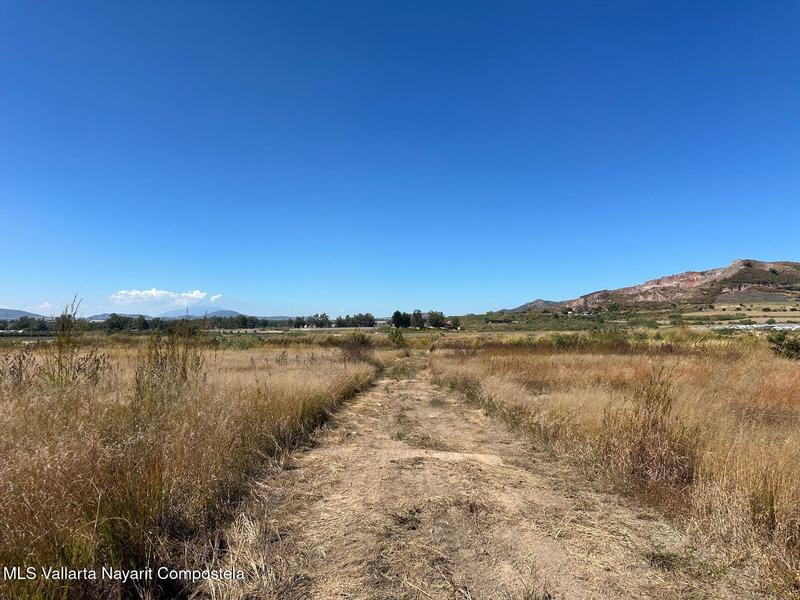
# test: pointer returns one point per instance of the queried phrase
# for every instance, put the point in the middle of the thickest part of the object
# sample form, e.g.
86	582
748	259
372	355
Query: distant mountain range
744	280
195	312
10	314
199	311
104	316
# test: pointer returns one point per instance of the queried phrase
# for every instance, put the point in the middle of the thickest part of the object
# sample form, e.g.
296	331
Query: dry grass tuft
647	447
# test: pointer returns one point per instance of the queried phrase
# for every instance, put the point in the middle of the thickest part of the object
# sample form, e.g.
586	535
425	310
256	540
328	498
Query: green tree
116	322
436	319
401	319
27	323
417	320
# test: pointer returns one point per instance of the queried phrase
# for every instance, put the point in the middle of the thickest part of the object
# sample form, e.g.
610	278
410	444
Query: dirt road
410	493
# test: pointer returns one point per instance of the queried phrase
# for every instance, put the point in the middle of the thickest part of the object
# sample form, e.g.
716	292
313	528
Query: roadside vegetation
704	426
134	452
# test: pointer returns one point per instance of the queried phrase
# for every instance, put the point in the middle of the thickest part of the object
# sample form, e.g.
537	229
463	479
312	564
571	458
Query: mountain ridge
13	314
199	311
105	316
742	279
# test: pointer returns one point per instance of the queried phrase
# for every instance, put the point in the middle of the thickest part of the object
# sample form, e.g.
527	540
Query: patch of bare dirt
409	493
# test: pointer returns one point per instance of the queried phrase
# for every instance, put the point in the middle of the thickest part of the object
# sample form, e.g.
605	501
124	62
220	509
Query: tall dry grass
133	455
710	430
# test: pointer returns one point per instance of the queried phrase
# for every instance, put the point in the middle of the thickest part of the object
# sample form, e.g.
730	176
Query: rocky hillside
743	280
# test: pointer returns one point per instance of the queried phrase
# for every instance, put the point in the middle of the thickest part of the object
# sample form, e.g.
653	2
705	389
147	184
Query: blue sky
298	157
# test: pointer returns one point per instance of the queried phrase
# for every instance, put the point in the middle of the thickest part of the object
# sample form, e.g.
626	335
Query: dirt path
409	493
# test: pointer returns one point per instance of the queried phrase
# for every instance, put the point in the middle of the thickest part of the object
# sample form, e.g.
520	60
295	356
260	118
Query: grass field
133	455
707	428
139	451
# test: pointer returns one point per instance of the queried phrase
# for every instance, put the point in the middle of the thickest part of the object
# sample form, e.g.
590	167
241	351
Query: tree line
323	320
27	324
418	320
116	323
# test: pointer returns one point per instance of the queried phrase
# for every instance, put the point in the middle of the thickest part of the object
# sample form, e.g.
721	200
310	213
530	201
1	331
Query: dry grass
709	430
133	455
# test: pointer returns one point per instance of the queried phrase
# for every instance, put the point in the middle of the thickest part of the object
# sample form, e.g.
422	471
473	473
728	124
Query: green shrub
785	345
358	348
396	337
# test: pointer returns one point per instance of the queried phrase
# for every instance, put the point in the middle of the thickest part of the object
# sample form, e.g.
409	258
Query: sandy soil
410	493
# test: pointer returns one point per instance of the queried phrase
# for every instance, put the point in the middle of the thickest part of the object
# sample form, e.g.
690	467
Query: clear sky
297	157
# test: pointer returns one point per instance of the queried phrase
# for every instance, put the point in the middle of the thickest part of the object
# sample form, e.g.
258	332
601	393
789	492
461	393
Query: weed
159	459
358	348
396	337
644	444
63	363
18	369
710	431
167	367
785	345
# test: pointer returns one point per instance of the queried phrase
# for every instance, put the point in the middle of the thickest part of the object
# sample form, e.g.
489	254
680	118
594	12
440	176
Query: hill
105	316
180	314
9	314
744	280
537	304
199	312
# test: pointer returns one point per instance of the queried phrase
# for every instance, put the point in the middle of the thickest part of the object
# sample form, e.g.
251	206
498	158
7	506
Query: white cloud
215	297
155	296
44	307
